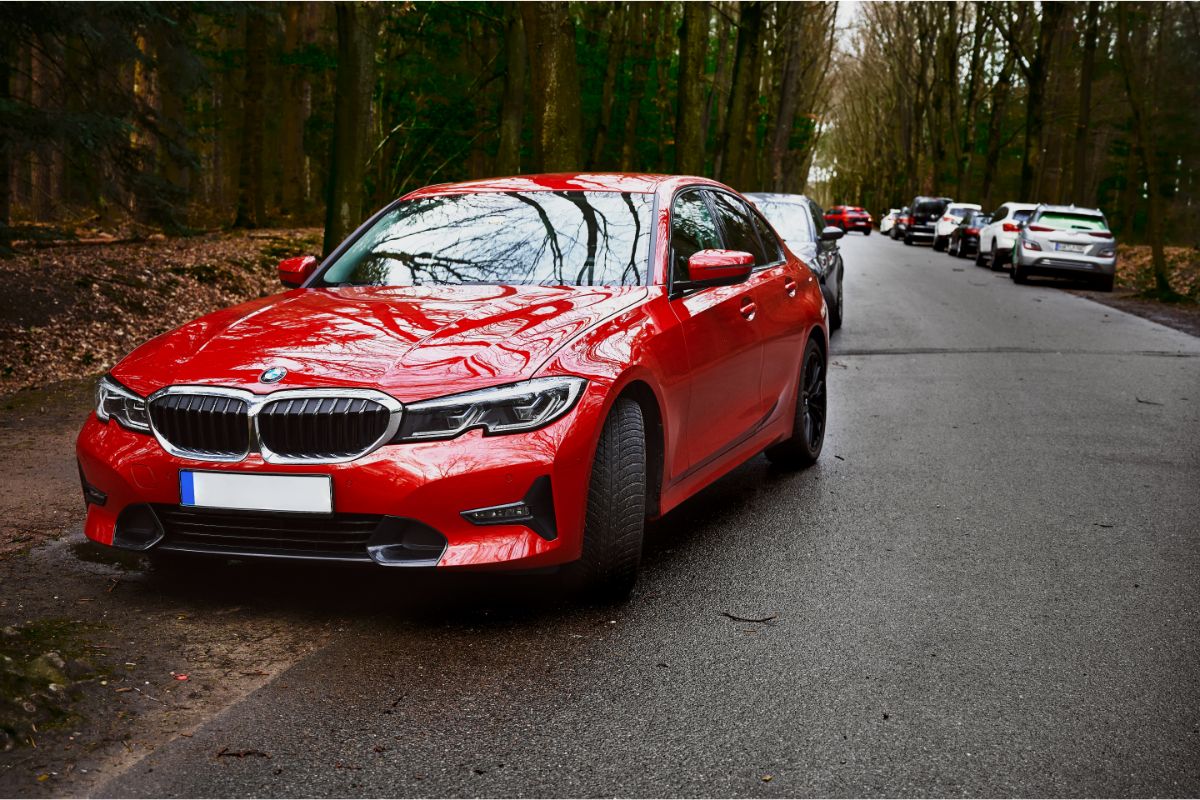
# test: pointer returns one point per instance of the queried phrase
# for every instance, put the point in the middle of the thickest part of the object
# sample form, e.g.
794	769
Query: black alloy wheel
803	447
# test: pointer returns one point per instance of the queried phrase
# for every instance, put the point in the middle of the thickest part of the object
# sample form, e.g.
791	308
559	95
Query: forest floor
1135	278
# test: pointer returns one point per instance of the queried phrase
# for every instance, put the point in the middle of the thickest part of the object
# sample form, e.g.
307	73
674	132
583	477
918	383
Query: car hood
412	342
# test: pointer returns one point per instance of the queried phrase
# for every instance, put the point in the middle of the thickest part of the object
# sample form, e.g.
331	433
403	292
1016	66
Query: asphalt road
990	585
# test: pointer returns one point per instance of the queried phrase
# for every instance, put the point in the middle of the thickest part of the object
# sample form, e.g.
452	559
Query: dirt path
130	634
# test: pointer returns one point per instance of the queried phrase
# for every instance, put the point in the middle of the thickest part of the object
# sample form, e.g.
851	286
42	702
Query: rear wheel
1018	272
939	243
994	259
616	509
908	239
835	308
803	447
867	232
979	259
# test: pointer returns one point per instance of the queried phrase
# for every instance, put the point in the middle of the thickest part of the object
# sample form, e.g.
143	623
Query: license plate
1070	248
244	491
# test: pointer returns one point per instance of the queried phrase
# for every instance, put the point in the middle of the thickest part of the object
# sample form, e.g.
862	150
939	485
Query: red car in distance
849	218
500	374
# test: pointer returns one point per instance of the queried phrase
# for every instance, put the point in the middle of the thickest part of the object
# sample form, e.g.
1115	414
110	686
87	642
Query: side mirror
295	271
832	234
719	267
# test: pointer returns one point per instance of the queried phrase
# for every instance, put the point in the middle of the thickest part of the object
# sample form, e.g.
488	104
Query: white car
996	240
888	220
1066	242
949	221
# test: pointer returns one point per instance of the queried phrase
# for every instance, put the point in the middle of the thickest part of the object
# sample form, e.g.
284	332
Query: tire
994	258
1017	273
1104	284
954	249
867	232
939	244
979	259
908	240
615	522
803	447
835	309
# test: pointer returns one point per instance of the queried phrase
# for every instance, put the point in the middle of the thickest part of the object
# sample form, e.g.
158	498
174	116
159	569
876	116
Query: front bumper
399	494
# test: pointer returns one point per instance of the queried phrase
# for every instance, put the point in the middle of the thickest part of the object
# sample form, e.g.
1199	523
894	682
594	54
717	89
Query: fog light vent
137	528
535	511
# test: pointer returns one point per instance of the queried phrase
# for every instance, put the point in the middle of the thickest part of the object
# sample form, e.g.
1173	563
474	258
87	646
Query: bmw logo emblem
272	375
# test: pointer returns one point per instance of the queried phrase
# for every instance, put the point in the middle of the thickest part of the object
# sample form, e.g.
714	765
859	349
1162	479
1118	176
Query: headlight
503	409
114	401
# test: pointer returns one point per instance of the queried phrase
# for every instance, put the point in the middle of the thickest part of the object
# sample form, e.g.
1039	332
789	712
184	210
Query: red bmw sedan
512	373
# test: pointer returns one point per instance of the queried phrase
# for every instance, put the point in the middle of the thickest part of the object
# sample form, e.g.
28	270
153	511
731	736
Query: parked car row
1024	238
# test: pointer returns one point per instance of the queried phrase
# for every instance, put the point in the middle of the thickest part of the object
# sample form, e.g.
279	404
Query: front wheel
803	447
616	509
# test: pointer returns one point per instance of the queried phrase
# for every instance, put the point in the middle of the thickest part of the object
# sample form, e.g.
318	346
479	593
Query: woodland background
181	117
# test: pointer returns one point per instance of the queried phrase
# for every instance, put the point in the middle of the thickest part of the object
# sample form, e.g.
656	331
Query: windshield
1067	221
537	238
789	219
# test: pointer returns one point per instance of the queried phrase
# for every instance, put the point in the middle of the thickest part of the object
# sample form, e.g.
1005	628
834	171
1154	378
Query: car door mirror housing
831	234
719	268
295	271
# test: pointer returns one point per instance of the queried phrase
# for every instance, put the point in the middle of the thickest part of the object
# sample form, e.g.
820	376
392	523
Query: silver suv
1066	242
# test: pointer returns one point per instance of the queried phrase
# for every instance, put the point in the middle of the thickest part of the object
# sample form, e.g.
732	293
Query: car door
720	327
988	234
783	314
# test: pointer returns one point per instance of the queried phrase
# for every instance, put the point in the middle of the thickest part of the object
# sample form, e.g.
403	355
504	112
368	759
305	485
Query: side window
818	220
692	230
739	230
770	242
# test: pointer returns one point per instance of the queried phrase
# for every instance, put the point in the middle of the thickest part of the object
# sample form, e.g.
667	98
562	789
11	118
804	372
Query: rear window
1021	216
959	211
1067	221
790	219
930	207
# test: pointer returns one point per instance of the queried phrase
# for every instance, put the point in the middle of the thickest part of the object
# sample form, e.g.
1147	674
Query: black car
924	214
793	216
964	239
901	224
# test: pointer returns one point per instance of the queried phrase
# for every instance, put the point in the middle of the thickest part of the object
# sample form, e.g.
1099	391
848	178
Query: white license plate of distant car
1070	248
245	491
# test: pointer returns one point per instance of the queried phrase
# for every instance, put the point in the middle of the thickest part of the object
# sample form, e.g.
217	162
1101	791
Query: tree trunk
995	123
693	49
251	207
554	84
7	49
788	91
291	132
743	99
617	37
1035	111
512	105
637	85
1140	91
718	93
1086	70
358	29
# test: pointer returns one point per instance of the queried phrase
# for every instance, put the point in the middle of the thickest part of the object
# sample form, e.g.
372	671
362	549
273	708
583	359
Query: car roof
1070	210
1018	206
777	197
633	182
972	206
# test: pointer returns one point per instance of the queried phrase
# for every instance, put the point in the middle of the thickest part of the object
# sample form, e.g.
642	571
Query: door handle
790	286
749	308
